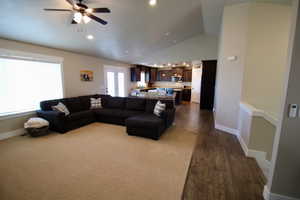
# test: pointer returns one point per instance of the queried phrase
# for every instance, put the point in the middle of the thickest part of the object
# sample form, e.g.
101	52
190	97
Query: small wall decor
86	75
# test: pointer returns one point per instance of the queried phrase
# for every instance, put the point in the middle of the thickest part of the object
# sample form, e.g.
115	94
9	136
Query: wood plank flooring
219	170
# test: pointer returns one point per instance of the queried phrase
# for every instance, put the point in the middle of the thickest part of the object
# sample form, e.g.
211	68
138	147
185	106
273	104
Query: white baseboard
10	134
272	196
259	156
227	129
243	145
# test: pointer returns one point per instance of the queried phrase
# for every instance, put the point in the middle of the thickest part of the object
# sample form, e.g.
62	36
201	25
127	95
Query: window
142	83
111	83
25	83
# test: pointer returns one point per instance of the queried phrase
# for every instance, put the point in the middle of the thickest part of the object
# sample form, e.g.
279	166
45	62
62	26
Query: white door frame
116	69
196	84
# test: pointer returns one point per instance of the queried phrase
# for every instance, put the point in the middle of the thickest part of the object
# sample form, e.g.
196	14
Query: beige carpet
99	161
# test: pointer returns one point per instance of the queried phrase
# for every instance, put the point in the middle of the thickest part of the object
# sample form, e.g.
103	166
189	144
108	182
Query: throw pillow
159	108
60	107
96	103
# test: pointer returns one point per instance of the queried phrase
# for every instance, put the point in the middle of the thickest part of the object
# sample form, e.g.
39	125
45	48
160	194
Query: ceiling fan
82	13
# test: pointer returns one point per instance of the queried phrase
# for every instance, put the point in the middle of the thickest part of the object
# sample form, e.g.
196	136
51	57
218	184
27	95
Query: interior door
208	84
196	84
115	81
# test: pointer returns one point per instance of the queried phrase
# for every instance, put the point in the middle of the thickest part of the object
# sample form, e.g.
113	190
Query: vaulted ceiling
134	29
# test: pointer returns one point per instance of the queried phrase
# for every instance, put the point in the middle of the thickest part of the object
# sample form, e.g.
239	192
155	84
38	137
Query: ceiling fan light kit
83	13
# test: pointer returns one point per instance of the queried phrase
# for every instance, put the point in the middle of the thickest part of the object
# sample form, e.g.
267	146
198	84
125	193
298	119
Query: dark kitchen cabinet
153	75
187	75
164	75
208	82
186	94
178	97
177	71
135	74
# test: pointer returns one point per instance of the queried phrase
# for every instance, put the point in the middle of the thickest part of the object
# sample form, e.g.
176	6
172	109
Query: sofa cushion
145	121
47	105
80	115
109	112
135	104
115	102
131	113
74	105
150	104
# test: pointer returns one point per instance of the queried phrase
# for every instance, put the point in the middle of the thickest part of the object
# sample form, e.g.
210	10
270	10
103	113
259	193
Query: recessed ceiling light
90	37
167	33
152	2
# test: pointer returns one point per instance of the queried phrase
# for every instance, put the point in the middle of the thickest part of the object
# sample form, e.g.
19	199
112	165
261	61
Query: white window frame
14	54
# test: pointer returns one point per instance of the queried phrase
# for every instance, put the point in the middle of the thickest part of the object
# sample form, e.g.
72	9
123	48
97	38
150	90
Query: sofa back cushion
47	105
86	100
115	102
150	104
136	104
74	104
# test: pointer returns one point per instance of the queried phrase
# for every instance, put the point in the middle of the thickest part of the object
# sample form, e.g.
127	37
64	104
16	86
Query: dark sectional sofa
135	113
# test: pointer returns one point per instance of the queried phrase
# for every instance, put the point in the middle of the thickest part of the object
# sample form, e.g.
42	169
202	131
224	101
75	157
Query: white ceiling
134	28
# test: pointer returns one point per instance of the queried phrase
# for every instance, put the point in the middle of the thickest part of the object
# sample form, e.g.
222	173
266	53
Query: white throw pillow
96	103
36	122
159	108
61	108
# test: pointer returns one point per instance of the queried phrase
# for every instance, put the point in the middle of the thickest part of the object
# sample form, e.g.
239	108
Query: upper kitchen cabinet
135	73
178	71
187	75
153	75
164	75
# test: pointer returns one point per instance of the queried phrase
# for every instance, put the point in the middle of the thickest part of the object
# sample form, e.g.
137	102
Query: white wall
230	74
266	56
201	47
257	33
72	65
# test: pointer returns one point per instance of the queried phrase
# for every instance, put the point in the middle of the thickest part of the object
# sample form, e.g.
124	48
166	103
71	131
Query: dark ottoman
145	125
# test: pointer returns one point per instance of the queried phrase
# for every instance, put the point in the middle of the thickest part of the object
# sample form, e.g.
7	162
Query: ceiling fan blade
50	9
96	19
101	10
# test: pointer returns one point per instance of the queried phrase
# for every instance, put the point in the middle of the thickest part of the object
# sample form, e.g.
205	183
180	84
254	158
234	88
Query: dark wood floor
219	170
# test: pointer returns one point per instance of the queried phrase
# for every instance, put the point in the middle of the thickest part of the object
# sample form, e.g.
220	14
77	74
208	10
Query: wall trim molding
272	196
10	134
227	129
259	156
252	111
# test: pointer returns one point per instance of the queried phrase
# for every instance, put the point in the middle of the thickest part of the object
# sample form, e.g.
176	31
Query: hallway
219	169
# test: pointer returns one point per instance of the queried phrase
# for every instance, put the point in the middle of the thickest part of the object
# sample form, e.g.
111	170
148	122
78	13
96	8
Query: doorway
196	84
115	81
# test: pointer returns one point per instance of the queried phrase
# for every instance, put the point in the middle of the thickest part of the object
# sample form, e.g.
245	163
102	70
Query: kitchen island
179	94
